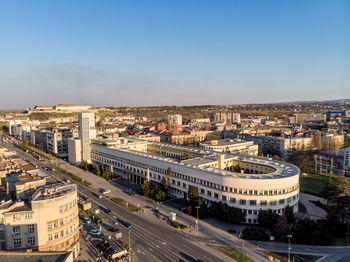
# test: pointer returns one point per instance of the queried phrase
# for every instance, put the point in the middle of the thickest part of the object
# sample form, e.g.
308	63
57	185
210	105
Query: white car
95	233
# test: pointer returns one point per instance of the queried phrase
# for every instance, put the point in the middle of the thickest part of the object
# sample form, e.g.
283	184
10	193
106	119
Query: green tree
289	214
186	155
193	193
146	189
237	169
281	228
267	218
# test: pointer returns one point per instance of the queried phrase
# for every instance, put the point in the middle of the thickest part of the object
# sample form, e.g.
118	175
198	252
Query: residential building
227	117
175	119
48	222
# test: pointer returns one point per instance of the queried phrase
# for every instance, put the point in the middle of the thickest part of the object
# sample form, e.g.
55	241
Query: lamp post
197	222
289	248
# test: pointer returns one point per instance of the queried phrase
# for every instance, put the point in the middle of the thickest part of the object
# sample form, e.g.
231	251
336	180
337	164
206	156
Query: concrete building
303	118
22	185
71	107
175	119
49	222
74	151
87	132
57	141
262	183
236	146
347	159
227	117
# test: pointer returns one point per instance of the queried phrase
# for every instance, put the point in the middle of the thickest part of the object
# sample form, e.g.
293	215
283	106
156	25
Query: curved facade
49	223
250	183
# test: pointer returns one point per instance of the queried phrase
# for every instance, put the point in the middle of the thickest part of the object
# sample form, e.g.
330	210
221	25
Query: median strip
123	203
72	176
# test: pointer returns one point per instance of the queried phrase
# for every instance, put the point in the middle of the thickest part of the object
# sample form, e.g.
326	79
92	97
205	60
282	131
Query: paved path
312	211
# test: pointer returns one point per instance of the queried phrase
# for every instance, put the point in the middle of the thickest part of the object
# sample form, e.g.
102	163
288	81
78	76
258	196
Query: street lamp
197	207
289	248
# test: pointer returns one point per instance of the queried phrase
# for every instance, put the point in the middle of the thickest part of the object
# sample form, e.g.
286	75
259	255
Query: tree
146	189
158	193
227	150
281	228
193	193
337	191
267	218
289	214
186	155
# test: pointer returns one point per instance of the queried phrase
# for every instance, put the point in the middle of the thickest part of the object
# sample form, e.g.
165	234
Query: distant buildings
303	118
347	158
236	146
60	107
227	117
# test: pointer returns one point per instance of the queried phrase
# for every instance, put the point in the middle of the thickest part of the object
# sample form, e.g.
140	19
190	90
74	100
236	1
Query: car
104	191
87	199
131	193
112	229
86	220
107	210
125	223
95	233
80	226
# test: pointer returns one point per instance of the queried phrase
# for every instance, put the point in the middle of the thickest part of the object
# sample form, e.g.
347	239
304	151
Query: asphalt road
152	241
149	241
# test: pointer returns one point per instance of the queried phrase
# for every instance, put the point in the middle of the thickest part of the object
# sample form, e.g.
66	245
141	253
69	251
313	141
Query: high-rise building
175	119
228	117
87	132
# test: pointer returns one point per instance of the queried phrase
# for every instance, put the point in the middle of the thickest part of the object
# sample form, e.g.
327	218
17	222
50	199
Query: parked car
86	220
95	233
104	191
113	229
107	210
125	223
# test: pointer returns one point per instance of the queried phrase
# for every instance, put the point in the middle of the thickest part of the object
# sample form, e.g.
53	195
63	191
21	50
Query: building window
233	200
209	193
242	202
28	215
273	203
202	191
281	201
30	228
50	248
17	242
16	230
49	226
263	203
31	240
50	237
216	195
56	235
224	198
252	202
16	216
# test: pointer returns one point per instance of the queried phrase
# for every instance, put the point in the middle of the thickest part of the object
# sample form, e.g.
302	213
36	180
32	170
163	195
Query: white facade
228	117
87	132
175	119
347	158
74	151
263	184
236	146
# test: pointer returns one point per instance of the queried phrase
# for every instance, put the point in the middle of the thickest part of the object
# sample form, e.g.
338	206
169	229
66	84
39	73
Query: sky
166	52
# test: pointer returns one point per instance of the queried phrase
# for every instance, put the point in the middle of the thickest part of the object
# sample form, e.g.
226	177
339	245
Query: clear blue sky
162	52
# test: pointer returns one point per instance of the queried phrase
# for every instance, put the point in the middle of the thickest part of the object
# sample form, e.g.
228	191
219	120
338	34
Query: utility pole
289	248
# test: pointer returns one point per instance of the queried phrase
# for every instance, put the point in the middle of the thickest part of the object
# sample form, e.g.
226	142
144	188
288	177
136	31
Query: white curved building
261	183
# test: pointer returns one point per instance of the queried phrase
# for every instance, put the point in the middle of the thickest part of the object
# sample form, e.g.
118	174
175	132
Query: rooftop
54	190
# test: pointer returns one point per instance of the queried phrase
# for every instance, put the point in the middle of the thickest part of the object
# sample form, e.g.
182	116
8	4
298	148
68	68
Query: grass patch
72	176
283	257
123	203
232	253
90	214
313	184
178	225
339	242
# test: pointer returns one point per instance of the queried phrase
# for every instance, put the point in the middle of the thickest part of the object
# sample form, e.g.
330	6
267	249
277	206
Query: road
149	241
156	241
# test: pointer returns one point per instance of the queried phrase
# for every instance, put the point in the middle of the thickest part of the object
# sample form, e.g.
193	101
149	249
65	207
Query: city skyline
166	53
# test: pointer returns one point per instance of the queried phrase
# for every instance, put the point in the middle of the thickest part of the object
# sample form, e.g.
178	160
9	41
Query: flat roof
20	256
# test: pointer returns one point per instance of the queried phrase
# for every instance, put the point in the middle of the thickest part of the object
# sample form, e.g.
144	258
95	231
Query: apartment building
227	117
49	222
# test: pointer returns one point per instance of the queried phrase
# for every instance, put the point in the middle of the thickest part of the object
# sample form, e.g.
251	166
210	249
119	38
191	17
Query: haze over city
142	53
